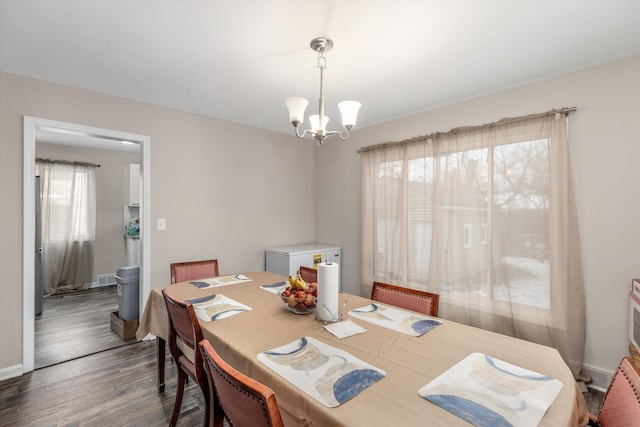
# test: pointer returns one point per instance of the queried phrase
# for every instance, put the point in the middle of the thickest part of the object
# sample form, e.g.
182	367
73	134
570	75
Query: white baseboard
600	378
10	372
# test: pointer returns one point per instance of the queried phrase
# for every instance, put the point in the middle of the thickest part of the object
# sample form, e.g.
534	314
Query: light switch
162	224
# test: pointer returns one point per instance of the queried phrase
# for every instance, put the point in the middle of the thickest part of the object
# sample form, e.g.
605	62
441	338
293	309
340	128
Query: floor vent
104	280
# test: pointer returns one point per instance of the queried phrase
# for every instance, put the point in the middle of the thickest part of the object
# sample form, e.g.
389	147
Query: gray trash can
128	280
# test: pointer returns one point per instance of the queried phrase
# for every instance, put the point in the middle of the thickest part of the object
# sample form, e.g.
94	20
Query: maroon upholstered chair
244	401
621	404
182	272
184	336
191	270
309	274
411	299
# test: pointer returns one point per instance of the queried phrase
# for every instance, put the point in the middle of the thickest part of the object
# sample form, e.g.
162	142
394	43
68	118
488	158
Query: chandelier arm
302	135
337	132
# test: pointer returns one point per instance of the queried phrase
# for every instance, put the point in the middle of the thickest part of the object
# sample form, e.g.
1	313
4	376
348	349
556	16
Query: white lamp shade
296	106
349	111
315	122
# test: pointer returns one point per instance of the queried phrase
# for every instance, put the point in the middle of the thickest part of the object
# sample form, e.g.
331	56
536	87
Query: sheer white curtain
484	216
68	212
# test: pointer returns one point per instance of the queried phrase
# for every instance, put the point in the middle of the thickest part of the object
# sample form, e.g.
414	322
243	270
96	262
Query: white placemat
214	282
394	318
217	306
485	391
329	375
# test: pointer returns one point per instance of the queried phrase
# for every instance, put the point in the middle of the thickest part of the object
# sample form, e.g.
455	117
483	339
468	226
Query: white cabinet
288	259
134	184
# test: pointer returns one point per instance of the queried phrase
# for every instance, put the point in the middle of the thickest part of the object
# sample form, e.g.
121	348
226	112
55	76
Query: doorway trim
30	125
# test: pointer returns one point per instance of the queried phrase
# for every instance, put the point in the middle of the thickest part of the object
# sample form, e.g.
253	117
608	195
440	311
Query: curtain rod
67	162
565	111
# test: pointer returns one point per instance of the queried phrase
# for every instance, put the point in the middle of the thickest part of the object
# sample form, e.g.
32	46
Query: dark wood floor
75	325
112	388
86	375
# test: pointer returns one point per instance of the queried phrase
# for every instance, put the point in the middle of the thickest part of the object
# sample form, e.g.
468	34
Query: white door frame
30	125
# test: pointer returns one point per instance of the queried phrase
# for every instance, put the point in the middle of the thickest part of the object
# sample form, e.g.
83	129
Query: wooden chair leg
179	394
161	362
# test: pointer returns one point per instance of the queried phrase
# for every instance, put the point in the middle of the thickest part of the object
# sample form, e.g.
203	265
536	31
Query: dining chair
182	272
308	274
411	299
191	270
621	403
244	401
184	336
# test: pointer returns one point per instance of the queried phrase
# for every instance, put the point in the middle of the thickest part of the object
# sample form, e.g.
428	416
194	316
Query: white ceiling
238	60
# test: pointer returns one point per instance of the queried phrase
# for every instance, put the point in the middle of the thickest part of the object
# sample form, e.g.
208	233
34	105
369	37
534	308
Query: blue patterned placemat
275	288
487	392
220	281
329	375
216	306
396	319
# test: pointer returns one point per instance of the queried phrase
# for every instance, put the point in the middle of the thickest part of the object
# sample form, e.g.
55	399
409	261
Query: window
66	201
435	206
513	198
467	236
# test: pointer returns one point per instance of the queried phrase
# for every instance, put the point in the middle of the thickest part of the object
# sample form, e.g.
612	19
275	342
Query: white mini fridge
287	260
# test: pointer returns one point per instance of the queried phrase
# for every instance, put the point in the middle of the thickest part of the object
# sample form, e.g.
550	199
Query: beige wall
226	191
111	196
605	150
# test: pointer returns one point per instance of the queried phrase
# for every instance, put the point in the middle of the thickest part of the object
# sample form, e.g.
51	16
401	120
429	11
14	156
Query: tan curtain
485	217
68	215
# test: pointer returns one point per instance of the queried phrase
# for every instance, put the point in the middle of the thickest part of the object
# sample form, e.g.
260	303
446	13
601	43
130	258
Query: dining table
408	362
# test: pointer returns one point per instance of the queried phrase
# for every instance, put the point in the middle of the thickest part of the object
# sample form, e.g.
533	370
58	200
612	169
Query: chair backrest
411	299
244	401
184	332
191	270
621	404
308	274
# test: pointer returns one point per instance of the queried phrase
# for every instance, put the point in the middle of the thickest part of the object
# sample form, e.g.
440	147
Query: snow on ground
530	284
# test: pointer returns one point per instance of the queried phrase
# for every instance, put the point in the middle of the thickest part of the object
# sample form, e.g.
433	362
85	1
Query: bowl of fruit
299	297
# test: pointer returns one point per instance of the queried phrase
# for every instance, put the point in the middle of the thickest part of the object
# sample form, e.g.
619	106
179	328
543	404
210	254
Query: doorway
83	136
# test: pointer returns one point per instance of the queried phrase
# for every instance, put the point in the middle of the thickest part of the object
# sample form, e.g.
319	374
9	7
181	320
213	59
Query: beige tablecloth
409	362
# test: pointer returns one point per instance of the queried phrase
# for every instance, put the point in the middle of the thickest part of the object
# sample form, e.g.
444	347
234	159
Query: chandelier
296	105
